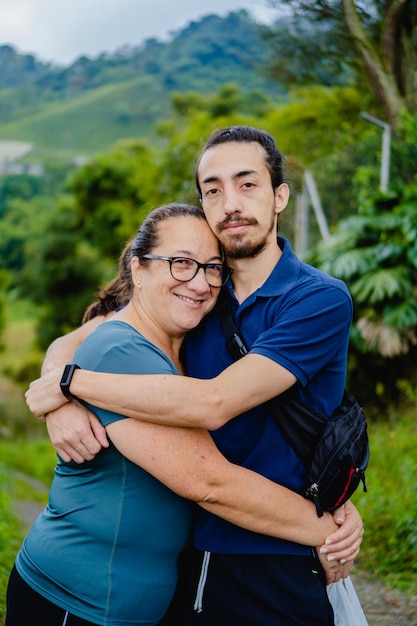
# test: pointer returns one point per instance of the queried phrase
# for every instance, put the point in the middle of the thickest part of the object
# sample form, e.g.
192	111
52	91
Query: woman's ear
136	269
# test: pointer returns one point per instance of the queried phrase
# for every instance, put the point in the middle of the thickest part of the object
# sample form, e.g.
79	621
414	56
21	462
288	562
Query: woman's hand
343	545
76	433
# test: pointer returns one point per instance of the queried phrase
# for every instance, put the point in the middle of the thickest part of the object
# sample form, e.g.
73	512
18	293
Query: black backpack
335	451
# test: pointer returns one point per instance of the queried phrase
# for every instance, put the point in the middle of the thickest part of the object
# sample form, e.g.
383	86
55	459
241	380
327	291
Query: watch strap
66	379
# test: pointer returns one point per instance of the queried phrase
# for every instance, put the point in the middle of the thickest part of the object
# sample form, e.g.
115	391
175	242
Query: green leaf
402	316
353	262
380	284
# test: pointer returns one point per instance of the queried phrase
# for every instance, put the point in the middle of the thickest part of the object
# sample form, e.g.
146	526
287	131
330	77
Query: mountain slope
94	120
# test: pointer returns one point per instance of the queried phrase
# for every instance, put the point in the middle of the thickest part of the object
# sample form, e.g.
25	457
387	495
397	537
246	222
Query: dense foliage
111	193
375	253
371	43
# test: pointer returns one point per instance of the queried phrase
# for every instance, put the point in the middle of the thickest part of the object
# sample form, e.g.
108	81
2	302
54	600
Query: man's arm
62	349
171	400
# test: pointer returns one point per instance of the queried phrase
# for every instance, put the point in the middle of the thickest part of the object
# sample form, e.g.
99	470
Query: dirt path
382	606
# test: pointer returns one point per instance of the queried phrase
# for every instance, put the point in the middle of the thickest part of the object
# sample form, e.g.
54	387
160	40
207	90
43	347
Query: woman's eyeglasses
184	269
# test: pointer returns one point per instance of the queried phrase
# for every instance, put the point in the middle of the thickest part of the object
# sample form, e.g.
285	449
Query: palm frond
383	283
352	263
402	316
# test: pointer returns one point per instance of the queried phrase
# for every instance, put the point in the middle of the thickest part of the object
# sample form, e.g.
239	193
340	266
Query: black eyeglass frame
226	271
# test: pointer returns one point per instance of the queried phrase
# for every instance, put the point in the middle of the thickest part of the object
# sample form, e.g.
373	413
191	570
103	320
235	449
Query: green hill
87	106
94	120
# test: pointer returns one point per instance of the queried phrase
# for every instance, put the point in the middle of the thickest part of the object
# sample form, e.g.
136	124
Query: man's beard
242	247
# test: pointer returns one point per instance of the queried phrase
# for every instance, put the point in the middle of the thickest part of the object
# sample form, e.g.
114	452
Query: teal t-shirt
105	548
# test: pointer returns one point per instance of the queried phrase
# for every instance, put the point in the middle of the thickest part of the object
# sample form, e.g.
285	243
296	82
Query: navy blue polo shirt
300	318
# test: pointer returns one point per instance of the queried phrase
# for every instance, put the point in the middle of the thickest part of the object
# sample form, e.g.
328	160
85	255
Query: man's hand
76	433
343	545
44	394
335	571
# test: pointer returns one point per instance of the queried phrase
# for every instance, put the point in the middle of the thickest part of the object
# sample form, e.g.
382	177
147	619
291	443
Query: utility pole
386	148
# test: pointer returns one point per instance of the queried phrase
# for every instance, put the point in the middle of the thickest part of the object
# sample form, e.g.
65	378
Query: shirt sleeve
310	330
121	350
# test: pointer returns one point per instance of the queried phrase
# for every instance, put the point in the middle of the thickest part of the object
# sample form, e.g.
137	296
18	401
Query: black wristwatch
66	379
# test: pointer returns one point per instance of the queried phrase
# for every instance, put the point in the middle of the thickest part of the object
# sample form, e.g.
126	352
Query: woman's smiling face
175	306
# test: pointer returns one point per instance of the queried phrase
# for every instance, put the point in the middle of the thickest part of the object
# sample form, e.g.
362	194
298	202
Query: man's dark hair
248	134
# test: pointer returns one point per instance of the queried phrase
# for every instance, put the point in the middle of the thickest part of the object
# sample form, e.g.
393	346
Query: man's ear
282	195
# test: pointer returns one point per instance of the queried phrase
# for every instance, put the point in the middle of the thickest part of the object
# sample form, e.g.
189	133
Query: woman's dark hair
247	134
118	292
148	234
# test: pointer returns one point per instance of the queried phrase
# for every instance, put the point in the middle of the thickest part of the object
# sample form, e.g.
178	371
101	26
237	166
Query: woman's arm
188	462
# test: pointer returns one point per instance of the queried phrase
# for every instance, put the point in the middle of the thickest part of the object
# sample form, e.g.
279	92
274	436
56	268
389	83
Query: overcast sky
62	30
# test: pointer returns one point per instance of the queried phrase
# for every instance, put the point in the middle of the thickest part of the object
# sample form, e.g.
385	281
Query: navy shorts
251	590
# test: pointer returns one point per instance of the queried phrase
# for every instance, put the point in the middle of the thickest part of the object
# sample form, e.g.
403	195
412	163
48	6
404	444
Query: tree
196	118
317	121
112	193
70	270
78	247
382	32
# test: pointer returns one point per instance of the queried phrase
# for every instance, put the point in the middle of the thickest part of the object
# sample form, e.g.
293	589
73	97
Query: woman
104	551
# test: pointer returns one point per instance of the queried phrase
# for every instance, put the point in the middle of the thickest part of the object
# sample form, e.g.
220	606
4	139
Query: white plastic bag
345	602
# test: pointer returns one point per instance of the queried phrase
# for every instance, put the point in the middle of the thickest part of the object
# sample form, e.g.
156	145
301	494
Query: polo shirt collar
282	278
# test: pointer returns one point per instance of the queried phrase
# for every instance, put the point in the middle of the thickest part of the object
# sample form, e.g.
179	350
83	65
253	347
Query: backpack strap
298	422
334	451
235	343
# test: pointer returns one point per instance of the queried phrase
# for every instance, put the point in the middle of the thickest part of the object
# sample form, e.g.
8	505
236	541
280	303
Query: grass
389	509
34	458
19	355
24	448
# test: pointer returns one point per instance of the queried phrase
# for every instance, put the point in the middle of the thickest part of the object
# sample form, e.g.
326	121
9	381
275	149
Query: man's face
238	199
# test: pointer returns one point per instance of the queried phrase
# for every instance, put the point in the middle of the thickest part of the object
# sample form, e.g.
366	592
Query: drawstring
198	604
65	618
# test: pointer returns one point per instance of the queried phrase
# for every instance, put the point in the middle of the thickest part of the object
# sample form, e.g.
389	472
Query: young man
296	322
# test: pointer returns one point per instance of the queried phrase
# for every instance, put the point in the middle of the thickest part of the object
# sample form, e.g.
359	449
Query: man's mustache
244	221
